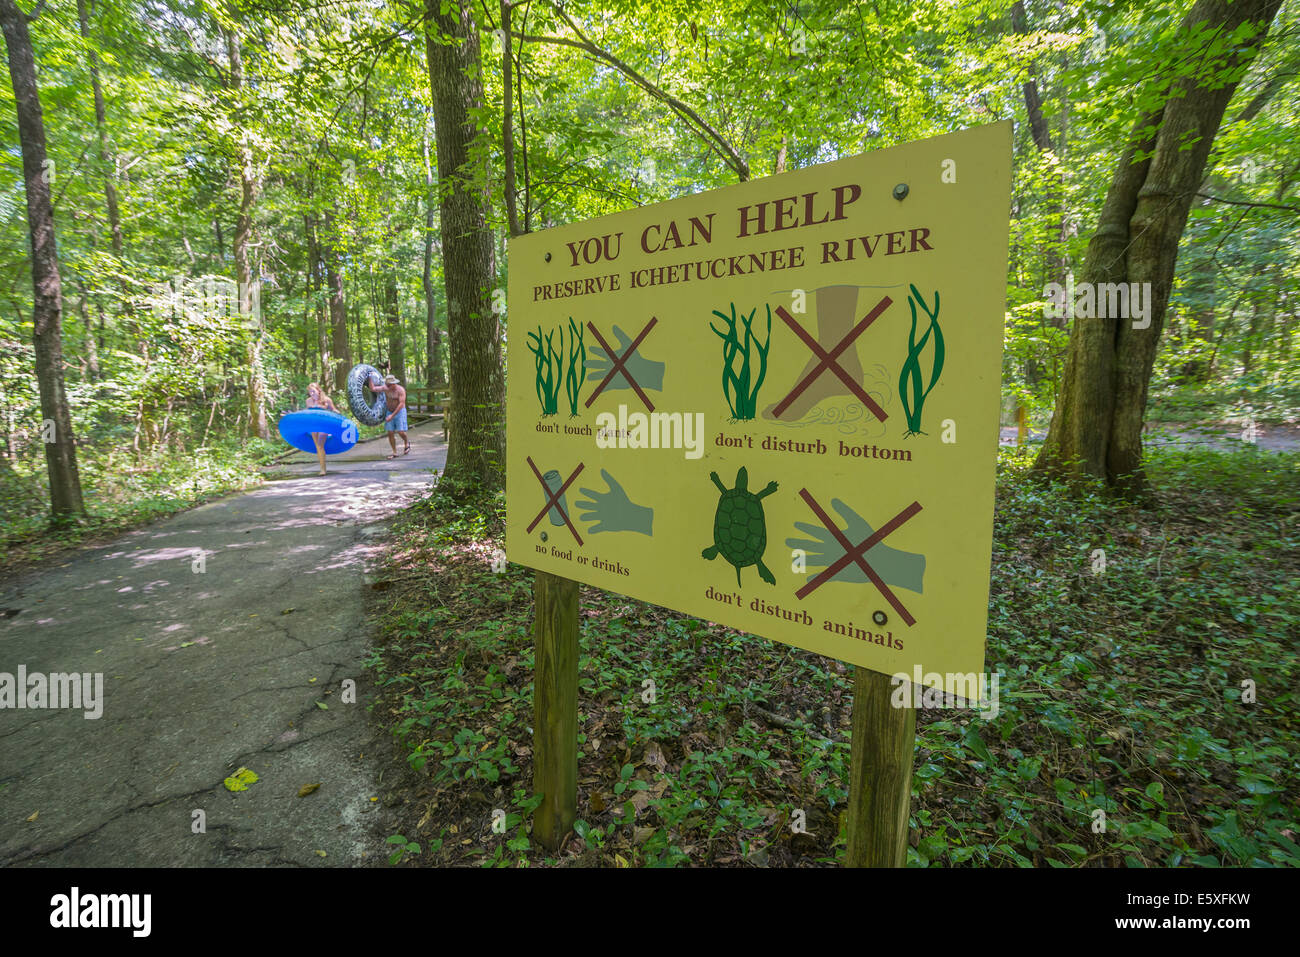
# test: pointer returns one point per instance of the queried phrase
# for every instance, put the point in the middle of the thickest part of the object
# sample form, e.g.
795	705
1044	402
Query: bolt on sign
775	405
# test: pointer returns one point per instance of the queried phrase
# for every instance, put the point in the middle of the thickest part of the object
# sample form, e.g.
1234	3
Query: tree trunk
47	290
243	273
376	308
1096	429
1054	251
340	346
313	312
92	347
1200	293
393	319
435	378
107	155
1252	332
476	446
1033	102
507	122
356	321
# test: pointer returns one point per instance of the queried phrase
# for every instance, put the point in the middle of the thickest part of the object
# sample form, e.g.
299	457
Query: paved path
206	672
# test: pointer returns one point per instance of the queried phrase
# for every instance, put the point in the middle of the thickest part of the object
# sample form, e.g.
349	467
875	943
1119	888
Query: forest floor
1161	691
237	662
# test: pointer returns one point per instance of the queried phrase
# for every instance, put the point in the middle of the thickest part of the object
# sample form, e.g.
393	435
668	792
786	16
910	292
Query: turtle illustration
739	530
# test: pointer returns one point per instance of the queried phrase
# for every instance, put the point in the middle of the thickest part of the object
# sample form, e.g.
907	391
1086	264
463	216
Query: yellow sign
775	405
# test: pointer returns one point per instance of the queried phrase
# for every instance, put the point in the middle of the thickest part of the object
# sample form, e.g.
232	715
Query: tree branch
715	140
1242	202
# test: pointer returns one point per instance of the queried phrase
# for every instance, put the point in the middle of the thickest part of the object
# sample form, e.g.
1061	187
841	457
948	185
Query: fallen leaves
240	780
654	756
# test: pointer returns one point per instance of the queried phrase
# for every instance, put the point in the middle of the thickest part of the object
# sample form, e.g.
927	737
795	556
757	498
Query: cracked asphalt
206	672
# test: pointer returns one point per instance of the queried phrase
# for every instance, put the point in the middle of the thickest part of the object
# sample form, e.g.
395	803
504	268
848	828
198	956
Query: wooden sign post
555	708
880	778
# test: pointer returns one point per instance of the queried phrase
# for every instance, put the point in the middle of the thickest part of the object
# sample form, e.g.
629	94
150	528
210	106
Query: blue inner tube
296	428
368	413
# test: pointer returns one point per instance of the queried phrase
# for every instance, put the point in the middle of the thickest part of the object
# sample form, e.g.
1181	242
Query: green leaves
405	849
976	744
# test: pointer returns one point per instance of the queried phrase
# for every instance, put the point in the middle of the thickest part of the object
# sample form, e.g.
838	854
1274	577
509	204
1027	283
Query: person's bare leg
320	450
405	442
392	441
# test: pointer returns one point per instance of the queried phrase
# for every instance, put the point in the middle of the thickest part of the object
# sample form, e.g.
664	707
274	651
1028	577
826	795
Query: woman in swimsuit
316	399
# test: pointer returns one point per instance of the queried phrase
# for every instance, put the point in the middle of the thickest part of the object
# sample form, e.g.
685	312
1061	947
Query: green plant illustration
910	388
549	372
740	385
557	368
577	371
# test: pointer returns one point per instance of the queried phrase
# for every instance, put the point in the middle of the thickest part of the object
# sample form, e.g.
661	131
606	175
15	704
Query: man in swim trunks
395	424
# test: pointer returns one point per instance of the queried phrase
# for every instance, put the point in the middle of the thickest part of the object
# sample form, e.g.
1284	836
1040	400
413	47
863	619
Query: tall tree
315	266
476	446
1042	138
393	319
47	288
247	178
435	378
340	346
107	155
1096	427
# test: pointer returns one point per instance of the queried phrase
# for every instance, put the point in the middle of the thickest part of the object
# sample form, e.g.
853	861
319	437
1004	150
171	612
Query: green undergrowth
1258	397
120	491
1124	733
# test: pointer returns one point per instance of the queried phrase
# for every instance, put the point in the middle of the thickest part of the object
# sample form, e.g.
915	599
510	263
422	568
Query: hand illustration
898	568
647	373
612	511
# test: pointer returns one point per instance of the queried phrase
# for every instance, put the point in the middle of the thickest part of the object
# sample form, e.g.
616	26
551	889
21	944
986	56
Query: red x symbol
827	360
853	553
553	498
618	363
